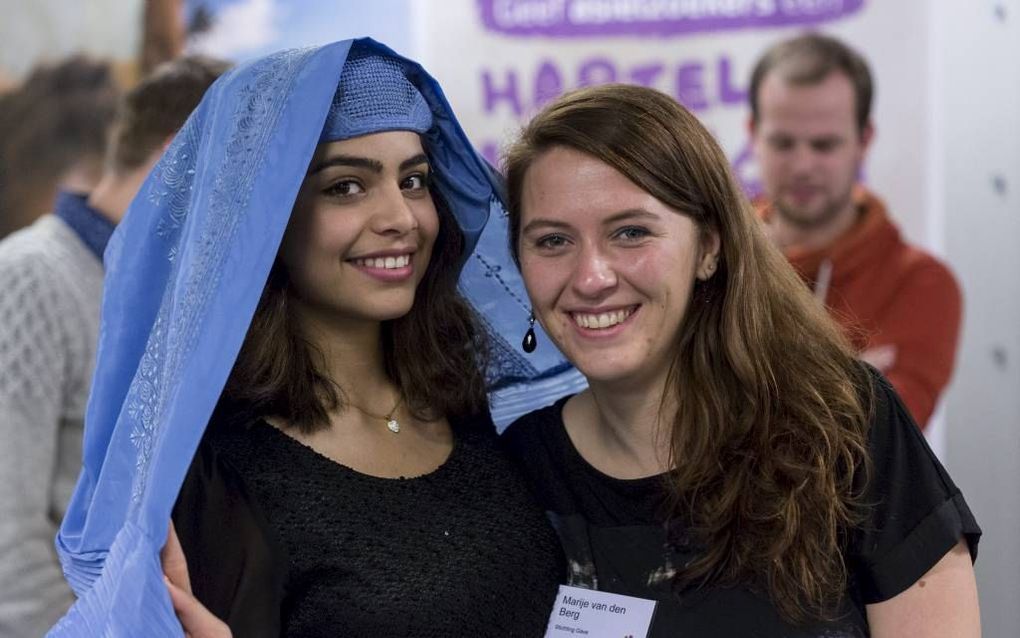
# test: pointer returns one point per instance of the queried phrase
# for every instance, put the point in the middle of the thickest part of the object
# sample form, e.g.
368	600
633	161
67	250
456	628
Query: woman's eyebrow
543	223
347	160
363	162
420	158
630	213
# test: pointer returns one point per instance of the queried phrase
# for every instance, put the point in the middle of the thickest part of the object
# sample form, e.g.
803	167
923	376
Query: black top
282	541
614	534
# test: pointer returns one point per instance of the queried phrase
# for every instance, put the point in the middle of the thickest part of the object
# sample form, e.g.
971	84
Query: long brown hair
773	409
434	354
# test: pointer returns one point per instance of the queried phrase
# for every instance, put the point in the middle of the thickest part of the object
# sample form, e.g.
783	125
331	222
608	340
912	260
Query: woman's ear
710	253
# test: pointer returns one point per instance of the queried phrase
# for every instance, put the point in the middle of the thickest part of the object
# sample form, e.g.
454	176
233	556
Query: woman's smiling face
609	268
363	227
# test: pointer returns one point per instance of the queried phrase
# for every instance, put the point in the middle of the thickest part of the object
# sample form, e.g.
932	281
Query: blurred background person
53	131
60	100
51	276
811	129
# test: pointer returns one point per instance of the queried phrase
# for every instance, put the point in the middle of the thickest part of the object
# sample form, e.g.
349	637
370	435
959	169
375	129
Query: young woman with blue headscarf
288	277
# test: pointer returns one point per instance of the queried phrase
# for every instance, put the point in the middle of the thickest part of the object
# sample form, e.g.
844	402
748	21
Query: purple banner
569	18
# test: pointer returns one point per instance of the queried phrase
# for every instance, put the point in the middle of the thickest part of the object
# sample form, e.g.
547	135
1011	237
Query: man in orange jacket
810	126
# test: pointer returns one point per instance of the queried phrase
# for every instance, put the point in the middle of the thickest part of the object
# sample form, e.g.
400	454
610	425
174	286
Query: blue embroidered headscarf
185	270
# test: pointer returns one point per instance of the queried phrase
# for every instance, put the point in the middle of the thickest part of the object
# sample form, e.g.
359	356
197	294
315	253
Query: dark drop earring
530	343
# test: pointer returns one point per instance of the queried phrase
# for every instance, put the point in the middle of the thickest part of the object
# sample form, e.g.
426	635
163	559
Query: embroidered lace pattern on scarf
176	325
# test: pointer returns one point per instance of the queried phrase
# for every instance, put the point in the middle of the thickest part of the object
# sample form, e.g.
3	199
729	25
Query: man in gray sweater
51	276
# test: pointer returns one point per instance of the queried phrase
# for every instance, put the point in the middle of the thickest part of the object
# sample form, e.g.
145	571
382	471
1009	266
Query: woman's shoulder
536	429
882	396
475	426
220	463
892	431
238	574
914	511
248	442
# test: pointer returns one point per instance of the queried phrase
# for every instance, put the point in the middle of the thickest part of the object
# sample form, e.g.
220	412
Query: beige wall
975	107
35	30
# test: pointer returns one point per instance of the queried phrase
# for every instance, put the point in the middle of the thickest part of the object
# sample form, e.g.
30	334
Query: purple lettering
690	86
548	83
586	18
509	94
596	71
729	94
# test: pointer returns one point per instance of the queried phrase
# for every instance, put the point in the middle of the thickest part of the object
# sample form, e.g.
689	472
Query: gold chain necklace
391	421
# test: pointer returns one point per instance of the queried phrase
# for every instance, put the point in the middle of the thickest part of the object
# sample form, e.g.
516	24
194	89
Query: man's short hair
157	107
809	59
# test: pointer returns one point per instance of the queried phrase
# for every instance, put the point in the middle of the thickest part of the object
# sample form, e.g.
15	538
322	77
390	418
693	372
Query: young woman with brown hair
731	459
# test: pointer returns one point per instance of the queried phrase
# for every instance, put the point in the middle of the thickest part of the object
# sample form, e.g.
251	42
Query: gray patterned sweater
50	290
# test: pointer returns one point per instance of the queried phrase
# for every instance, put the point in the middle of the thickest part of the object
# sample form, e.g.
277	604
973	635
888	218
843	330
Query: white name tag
599	614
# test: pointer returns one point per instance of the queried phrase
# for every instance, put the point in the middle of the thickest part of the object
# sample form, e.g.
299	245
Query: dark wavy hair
770	431
434	354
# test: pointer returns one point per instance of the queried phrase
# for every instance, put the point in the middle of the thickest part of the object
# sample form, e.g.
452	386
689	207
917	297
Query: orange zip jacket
900	306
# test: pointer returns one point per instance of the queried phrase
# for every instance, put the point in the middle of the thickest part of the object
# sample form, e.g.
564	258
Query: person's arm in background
916	348
33	366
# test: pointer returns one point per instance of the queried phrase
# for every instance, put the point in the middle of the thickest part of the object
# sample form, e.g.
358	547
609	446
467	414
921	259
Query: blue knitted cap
374	96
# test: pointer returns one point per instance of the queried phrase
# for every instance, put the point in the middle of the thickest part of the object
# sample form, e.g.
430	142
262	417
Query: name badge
599	614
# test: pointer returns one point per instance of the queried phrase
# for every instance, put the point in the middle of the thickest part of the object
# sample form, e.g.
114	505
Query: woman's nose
594	273
394	214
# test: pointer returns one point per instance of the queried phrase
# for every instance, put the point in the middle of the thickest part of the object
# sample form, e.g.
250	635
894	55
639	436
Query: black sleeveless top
282	541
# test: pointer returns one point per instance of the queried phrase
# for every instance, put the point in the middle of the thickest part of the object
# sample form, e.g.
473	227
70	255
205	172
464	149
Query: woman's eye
632	233
344	188
416	182
551	241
